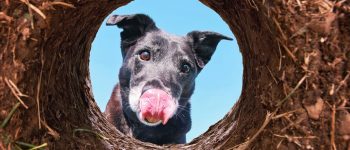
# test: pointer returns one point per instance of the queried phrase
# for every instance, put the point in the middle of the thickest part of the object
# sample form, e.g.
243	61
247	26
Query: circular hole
218	86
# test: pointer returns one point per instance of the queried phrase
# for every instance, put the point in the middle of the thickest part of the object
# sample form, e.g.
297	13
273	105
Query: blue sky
218	86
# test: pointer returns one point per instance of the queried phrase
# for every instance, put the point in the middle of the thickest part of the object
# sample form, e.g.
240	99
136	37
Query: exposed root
273	77
37	10
17	133
38	88
269	117
286	113
3	16
291	93
334	147
279	144
50	5
341	83
2	145
253	4
299	3
63	4
246	144
52	132
295	137
280	53
292	124
280	29
16	92
288	51
300	31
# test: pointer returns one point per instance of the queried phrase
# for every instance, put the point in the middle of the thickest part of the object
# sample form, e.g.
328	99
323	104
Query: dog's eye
185	68
145	55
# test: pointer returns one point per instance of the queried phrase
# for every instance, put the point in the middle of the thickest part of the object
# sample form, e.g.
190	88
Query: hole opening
217	88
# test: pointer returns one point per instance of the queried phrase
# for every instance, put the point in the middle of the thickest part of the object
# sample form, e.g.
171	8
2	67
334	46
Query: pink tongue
157	105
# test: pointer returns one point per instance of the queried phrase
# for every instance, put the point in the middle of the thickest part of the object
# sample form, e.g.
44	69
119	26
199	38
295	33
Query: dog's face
159	69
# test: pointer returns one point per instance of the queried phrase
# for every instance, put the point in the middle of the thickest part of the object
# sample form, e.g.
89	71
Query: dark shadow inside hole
217	87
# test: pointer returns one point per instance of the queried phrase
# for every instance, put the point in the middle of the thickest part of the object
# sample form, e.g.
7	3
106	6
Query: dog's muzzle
156	106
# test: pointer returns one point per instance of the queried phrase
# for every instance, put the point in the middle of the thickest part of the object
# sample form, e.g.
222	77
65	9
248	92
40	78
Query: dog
157	78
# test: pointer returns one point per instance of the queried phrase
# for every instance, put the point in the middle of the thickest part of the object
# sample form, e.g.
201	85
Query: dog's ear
204	45
134	27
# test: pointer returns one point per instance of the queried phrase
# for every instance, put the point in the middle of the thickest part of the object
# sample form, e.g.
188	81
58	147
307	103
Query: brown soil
296	85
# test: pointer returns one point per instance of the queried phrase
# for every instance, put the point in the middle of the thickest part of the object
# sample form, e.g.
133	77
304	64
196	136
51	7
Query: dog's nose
153	84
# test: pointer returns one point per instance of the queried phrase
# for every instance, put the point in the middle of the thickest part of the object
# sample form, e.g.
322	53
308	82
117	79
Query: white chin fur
134	96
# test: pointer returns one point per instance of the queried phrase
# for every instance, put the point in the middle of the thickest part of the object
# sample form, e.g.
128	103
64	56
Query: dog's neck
174	132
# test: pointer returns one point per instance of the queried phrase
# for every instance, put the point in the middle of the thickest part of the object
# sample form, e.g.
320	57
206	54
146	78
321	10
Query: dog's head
159	69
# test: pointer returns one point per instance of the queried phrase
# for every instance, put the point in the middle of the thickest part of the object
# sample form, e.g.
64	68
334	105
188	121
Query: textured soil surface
296	82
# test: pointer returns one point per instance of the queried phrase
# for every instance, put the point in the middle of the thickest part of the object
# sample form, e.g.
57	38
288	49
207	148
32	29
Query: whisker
182	108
